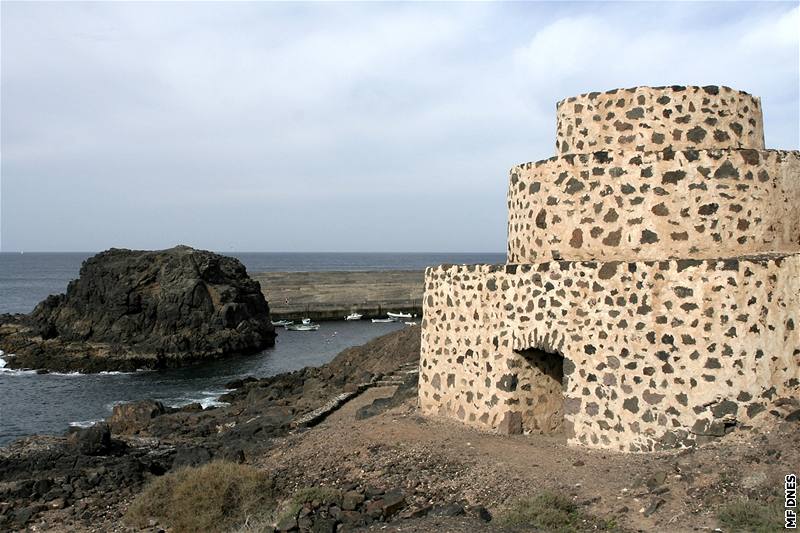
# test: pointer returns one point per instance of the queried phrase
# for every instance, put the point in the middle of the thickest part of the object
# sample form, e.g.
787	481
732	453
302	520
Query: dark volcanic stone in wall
131	309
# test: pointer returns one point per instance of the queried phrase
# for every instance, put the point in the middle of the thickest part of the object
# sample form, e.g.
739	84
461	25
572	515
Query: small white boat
383	320
281	323
302	327
411	323
399	315
353	316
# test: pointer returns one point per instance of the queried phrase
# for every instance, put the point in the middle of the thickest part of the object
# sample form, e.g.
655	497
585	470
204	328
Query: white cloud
293	115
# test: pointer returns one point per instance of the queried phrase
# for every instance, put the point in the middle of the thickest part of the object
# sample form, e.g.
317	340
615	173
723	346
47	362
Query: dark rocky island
133	309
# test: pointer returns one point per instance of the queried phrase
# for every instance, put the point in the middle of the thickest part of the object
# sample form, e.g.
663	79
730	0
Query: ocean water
33	403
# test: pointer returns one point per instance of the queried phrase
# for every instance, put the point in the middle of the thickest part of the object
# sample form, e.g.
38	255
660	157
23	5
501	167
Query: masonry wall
654	205
659	118
658	354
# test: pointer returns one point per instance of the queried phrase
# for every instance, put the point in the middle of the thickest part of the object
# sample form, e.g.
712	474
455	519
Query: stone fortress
651	297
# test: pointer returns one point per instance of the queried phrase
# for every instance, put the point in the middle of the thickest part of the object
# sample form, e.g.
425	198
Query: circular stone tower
655	173
652	289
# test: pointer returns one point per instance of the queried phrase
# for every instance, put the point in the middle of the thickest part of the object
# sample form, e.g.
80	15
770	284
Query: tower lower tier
632	356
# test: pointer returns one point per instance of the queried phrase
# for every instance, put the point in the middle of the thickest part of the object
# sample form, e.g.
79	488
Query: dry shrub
551	512
751	516
323	495
217	496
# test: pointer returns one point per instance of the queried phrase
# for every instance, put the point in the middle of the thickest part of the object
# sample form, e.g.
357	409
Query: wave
85	423
209	399
111	405
10	371
28	372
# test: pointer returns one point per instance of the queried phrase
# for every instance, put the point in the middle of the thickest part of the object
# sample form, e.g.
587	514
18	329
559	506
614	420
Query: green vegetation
218	496
322	495
550	512
751	516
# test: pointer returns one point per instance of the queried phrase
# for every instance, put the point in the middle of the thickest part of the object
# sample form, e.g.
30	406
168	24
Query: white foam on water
212	402
217	392
111	405
85	423
11	371
211	399
6	370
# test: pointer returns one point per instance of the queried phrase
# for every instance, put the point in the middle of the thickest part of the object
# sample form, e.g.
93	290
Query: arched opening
541	391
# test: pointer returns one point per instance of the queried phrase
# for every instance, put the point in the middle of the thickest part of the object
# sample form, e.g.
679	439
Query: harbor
333	295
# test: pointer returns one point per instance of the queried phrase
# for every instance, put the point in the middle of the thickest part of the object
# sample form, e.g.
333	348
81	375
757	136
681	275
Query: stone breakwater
134	309
652	293
333	295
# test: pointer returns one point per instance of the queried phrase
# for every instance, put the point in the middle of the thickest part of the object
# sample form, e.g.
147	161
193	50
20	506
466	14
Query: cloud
603	50
302	126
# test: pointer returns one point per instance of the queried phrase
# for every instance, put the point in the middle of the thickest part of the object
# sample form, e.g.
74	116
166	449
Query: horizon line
17	252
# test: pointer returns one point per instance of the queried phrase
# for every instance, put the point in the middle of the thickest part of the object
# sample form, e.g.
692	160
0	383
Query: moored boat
281	323
399	315
353	316
383	320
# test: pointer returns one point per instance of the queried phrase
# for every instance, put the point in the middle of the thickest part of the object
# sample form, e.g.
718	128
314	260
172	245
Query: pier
333	295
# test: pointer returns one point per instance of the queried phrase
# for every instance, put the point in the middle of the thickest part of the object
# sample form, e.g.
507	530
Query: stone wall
657	353
654	205
656	118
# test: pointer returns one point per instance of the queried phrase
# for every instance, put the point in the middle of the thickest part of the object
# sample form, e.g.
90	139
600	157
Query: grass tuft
217	496
547	510
551	512
322	495
751	516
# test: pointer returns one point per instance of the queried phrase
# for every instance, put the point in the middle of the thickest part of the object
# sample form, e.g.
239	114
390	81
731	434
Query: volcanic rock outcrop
134	309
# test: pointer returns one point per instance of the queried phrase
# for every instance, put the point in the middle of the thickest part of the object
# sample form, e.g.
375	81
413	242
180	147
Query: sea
32	403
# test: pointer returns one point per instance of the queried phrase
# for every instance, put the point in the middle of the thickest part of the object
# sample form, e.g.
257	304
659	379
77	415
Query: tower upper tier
654	173
657	118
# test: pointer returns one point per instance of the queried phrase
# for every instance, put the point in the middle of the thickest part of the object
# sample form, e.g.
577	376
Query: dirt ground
438	459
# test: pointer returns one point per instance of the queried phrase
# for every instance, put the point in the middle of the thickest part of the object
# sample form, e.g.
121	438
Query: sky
332	127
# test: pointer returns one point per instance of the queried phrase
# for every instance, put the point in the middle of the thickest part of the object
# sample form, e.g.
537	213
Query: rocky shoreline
89	468
373	463
132	310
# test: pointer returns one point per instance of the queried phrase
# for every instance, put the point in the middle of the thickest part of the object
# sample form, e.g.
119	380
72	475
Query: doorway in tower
541	391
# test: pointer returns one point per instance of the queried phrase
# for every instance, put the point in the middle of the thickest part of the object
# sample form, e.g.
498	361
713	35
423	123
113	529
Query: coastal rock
94	440
191	456
133	309
130	418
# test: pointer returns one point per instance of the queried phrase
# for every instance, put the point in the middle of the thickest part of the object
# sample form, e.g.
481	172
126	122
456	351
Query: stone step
394	379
